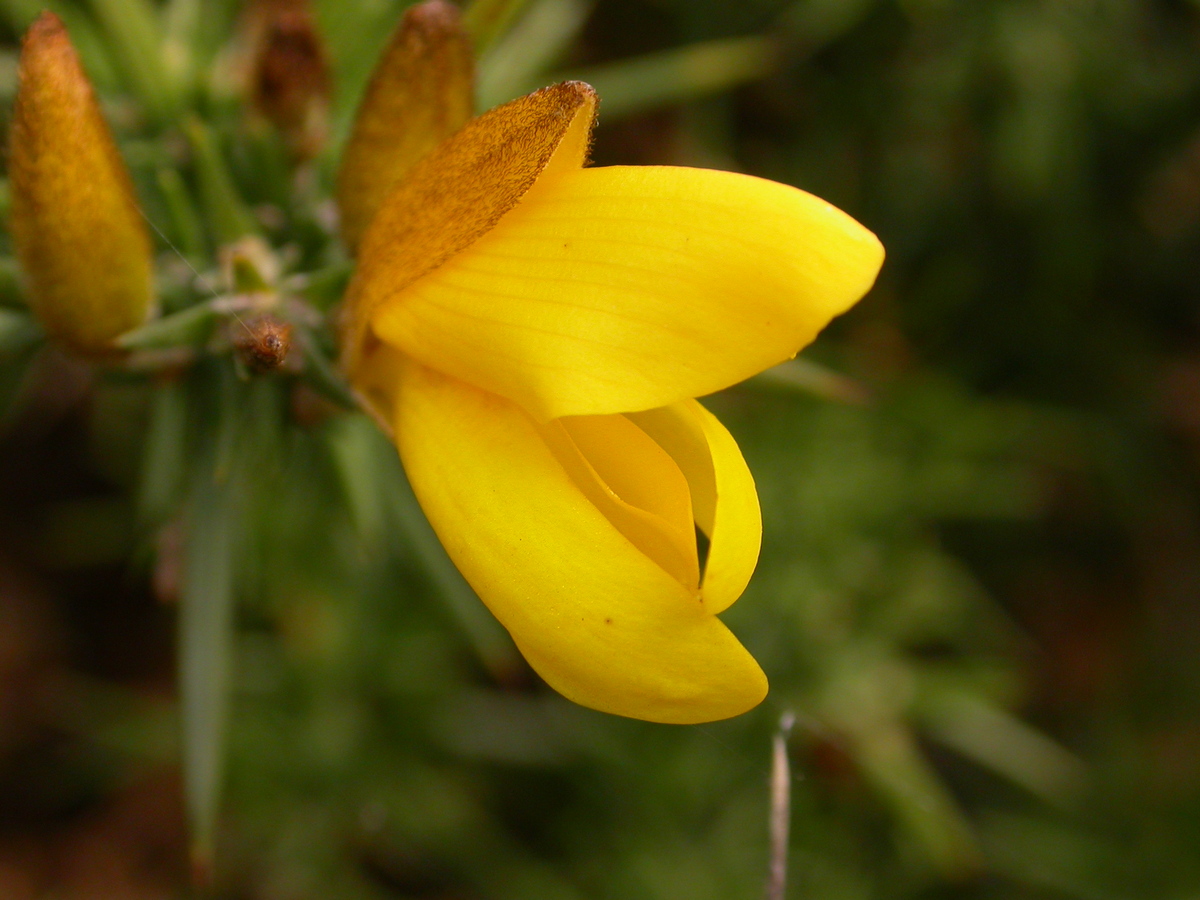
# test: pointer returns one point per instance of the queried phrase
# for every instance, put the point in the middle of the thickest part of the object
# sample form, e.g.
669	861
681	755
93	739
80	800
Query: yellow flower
533	333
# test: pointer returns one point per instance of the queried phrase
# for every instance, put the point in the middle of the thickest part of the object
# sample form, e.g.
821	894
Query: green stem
205	655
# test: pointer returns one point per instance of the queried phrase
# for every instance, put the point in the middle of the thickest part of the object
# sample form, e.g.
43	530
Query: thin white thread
199	278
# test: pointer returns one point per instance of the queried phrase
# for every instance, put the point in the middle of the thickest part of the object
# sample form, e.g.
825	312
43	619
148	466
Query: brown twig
781	808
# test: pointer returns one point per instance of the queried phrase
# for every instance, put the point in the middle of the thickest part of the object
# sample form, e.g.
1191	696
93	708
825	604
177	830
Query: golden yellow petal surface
422	91
618	289
722	490
458	193
79	237
600	622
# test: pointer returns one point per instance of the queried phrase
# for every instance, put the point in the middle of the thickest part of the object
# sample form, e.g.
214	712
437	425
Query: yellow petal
458	192
634	484
722	490
617	289
79	237
598	620
420	93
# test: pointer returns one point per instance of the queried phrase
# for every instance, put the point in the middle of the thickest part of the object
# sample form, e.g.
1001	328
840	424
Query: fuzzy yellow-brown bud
420	94
79	237
289	79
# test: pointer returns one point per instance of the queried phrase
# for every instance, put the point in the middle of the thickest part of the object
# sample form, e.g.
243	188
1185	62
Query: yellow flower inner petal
677	431
722	493
635	484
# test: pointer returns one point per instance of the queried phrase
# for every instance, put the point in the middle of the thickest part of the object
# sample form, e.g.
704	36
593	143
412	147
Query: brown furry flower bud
79	237
420	94
290	82
264	343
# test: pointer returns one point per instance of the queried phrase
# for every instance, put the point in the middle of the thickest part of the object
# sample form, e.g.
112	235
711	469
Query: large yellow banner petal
619	289
601	622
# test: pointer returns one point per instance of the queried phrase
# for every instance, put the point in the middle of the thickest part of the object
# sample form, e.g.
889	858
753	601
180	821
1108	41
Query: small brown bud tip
434	16
201	870
263	344
290	82
44	26
79	237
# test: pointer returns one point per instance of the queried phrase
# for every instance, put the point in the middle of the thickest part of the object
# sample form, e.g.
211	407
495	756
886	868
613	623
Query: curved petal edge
723	494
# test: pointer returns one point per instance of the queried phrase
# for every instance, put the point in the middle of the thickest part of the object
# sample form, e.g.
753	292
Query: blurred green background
980	584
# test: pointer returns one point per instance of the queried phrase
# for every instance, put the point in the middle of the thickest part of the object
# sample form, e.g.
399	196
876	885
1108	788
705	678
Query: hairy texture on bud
263	344
420	94
79	237
290	75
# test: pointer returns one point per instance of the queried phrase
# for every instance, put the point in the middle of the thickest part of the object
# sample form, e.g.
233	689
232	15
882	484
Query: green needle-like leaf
325	287
645	82
187	327
18	332
186	225
486	20
206	645
227	212
999	740
813	378
321	376
164	456
136	34
10	286
365	461
890	758
530	48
